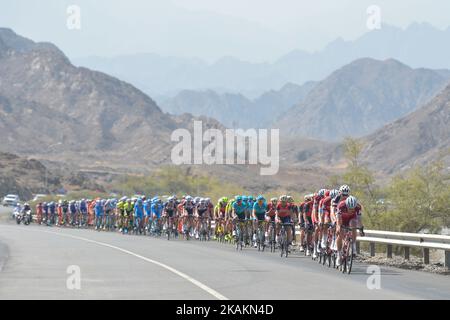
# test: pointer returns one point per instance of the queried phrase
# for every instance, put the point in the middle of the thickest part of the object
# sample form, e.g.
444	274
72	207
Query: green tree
362	183
419	199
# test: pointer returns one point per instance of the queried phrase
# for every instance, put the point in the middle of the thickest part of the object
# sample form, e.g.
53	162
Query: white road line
197	283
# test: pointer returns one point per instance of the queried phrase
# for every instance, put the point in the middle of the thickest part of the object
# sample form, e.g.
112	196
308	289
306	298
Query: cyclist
52	210
239	212
73	212
187	208
170	211
294	216
201	214
283	215
344	192
120	212
325	214
138	215
147	214
45	212
99	209
259	214
348	215
315	219
157	209
39	211
220	215
128	212
83	209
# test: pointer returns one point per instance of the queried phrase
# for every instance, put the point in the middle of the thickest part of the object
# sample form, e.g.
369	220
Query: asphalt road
34	262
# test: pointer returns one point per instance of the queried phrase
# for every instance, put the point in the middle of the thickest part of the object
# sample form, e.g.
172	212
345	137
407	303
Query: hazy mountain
413	140
419	45
235	110
49	107
360	98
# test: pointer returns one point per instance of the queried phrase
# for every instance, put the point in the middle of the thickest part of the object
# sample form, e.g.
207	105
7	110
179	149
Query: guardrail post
372	249
389	250
406	253
358	247
426	256
447	260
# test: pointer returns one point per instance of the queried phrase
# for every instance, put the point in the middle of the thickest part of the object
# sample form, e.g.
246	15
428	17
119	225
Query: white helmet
344	190
351	202
334	193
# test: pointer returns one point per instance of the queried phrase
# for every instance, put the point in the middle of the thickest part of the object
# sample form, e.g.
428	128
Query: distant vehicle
11	200
38	197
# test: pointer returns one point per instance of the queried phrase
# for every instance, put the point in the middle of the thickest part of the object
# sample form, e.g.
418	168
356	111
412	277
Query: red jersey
284	211
346	213
307	208
271	210
316	201
325	204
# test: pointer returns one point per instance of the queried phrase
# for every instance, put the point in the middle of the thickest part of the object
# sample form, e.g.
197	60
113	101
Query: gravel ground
414	263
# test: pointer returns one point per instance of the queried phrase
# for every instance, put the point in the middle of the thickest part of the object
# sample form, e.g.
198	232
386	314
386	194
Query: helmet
170	199
321	193
290	199
274	200
344	190
250	198
197	199
188	198
223	200
334	193
238	198
351	202
283	198
244	198
259	198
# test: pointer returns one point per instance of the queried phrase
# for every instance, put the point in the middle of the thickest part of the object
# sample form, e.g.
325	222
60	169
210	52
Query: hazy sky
253	30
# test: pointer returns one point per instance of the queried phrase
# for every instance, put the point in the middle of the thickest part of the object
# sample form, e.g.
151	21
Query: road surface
34	261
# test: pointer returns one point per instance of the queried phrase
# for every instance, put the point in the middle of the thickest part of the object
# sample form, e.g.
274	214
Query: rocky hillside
50	107
422	136
25	177
235	110
360	98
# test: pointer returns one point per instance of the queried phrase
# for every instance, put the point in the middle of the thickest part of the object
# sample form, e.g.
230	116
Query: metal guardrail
407	241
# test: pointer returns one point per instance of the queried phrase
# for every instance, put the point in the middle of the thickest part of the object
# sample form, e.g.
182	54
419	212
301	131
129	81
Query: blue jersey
83	206
240	210
157	209
98	209
147	208
139	210
259	210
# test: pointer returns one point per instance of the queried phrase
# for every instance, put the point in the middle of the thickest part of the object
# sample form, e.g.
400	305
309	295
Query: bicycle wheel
350	258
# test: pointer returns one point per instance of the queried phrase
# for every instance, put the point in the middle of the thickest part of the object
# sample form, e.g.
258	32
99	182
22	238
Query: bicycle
272	238
347	249
187	227
169	227
261	236
327	254
283	240
240	225
308	245
203	229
